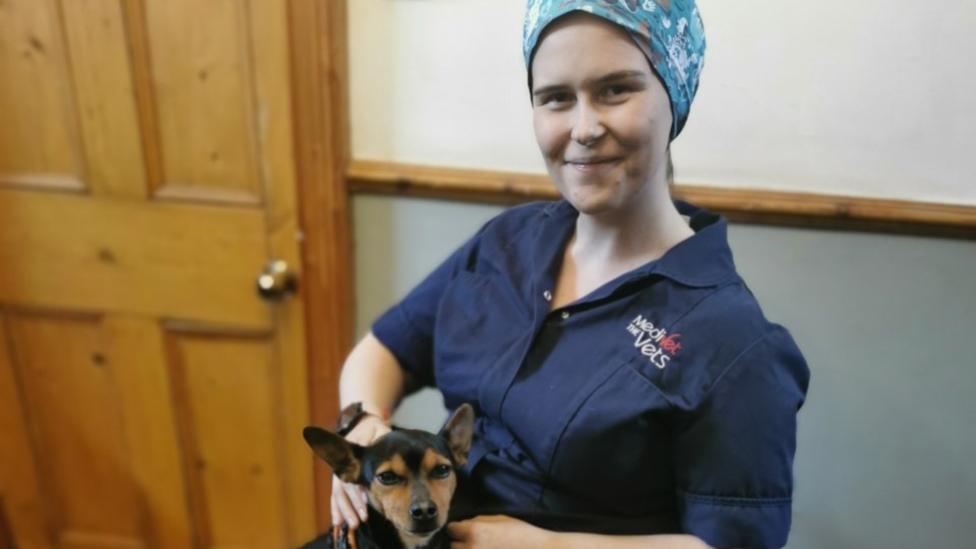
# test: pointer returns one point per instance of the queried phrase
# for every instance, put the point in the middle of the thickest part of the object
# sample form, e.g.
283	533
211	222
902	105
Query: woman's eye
613	92
556	99
387	478
441	471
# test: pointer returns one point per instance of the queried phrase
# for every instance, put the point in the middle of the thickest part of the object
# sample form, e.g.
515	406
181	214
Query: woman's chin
589	199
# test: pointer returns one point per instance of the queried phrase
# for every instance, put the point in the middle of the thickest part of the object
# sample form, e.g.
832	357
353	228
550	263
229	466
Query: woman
629	390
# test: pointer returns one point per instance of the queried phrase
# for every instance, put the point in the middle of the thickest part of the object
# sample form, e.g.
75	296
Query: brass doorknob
276	281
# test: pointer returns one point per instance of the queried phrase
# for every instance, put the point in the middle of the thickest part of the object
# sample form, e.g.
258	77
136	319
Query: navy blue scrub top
662	402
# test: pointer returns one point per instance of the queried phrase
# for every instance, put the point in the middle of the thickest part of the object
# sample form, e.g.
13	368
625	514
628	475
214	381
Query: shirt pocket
478	320
615	453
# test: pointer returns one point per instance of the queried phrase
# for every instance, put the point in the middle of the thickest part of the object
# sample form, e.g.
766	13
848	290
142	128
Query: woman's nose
588	127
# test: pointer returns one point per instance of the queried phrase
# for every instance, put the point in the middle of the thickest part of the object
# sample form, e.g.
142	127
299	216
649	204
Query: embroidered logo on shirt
655	343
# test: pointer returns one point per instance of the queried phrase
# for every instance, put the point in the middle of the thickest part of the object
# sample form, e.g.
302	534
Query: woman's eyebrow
548	89
611	77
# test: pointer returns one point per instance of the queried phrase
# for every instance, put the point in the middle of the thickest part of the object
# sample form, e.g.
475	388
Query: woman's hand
502	532
495	531
349	501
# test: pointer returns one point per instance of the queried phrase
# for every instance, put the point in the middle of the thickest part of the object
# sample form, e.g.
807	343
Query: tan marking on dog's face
441	489
393	501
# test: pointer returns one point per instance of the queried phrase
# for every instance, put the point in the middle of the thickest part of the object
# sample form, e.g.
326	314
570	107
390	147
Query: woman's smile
594	166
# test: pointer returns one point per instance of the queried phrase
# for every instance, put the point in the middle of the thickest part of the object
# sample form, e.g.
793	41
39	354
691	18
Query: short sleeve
734	452
407	328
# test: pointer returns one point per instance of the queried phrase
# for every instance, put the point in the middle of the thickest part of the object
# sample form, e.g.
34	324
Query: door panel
74	414
228	397
96	36
38	139
203	89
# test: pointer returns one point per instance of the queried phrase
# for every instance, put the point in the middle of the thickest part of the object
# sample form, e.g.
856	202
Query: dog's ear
344	457
458	431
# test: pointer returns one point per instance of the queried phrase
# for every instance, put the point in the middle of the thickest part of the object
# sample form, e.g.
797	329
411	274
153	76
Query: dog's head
410	475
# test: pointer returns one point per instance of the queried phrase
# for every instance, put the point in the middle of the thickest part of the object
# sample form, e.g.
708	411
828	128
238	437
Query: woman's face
602	118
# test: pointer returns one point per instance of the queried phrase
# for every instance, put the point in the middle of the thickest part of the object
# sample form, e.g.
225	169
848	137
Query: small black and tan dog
410	477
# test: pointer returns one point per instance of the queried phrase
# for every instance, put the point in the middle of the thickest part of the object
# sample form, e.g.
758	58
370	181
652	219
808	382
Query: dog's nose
423	511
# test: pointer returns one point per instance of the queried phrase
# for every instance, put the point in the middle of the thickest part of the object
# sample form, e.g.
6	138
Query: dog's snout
424	510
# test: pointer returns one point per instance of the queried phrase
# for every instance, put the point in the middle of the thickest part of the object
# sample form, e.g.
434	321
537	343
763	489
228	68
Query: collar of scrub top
669	32
701	261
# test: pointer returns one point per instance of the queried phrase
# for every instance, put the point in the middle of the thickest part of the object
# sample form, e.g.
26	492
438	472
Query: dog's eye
440	471
388	478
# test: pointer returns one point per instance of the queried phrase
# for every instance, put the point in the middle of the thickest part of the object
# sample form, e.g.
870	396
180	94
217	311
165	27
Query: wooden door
148	396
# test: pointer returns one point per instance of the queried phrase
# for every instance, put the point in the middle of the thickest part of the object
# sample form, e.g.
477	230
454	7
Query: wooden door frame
319	83
6	535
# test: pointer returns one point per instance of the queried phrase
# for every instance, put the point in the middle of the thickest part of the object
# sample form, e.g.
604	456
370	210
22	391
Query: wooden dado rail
743	205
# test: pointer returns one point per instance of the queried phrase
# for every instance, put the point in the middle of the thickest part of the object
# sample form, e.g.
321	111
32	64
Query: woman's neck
634	236
604	247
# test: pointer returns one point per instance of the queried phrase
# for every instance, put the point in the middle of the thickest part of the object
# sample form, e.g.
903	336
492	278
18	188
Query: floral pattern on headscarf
672	29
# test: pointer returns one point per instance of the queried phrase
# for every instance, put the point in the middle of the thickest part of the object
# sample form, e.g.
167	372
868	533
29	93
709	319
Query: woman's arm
489	532
595	541
371	375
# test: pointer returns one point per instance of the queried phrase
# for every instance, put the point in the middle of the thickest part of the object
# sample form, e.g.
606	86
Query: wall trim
753	206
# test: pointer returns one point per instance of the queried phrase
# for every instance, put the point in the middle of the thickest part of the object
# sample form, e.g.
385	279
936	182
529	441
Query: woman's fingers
347	514
348	504
349	501
357	497
458	531
334	510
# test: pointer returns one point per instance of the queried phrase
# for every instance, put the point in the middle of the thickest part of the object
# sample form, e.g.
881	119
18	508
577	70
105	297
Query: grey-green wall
886	322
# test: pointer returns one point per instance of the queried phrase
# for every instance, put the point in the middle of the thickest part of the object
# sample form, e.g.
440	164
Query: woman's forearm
372	375
596	541
490	531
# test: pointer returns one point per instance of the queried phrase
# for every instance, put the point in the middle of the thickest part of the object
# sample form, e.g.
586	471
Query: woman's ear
670	168
458	432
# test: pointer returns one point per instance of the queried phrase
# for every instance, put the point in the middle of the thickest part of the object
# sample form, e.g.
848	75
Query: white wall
868	98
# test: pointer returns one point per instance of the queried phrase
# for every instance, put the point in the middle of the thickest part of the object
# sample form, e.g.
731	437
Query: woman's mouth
593	165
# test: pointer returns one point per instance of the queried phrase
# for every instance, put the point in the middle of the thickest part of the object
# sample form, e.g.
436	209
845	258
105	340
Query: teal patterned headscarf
669	32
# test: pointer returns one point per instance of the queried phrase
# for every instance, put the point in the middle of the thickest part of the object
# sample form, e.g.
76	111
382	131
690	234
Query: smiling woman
628	388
